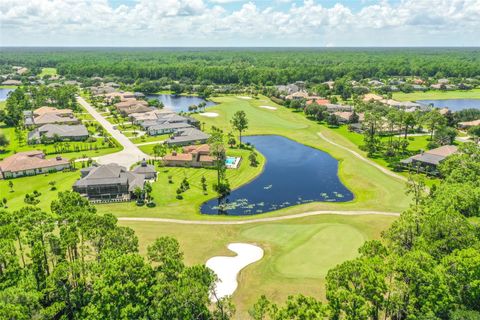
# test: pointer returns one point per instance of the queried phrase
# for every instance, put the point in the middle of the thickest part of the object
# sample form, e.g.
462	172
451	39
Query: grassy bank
437	95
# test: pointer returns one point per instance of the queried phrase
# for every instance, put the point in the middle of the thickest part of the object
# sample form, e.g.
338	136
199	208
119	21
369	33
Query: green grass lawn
164	193
298	252
373	190
437	95
85	148
148	138
24	185
48	71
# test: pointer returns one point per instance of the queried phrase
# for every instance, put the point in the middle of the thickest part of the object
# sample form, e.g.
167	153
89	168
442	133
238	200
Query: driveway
130	153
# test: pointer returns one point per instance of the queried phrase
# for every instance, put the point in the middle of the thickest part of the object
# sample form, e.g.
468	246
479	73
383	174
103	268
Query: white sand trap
209	114
244	97
269	107
227	268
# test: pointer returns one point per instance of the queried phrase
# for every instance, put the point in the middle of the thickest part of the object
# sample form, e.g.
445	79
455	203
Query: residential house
468	124
58	131
188	136
338	107
167	127
153	115
320	102
191	156
109	182
49	115
300	95
376	83
30	163
372	97
345	116
11	83
429	160
146	169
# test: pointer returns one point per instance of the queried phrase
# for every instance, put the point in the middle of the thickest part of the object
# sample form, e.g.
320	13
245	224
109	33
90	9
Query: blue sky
286	23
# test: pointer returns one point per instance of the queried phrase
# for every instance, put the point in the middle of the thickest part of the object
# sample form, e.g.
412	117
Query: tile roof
29	160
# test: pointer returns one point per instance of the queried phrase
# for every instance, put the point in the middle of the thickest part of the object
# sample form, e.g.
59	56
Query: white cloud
196	22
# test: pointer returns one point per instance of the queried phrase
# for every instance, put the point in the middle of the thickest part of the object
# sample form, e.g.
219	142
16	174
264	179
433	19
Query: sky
239	23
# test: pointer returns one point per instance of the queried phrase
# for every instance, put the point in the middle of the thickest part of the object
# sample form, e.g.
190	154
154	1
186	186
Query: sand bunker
244	97
268	107
209	114
227	268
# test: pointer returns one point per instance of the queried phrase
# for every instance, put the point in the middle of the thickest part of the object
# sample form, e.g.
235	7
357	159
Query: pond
293	174
178	103
4	93
453	104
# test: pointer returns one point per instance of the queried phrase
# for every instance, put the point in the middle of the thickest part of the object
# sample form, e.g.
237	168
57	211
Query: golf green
309	250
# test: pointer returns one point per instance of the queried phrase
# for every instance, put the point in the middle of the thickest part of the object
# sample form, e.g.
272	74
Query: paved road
259	220
358	155
130	153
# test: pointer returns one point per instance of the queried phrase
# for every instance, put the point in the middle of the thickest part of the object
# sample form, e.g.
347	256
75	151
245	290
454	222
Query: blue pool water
453	104
179	103
293	174
230	161
4	93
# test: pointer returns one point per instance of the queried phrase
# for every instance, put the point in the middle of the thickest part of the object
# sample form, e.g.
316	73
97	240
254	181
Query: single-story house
300	95
372	97
429	160
191	156
188	136
63	132
45	110
30	163
153	115
338	107
108	182
49	118
344	116
320	102
167	127
11	83
136	108
468	124
146	169
121	95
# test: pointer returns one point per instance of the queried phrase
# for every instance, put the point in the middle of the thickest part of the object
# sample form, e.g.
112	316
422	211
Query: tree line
250	66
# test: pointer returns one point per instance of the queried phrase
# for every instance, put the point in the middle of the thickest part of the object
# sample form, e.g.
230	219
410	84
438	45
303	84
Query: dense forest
249	66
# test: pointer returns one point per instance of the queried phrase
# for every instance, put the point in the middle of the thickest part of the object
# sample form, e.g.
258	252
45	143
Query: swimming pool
232	162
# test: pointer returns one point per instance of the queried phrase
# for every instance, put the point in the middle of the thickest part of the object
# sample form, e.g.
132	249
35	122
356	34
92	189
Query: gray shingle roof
64	131
111	174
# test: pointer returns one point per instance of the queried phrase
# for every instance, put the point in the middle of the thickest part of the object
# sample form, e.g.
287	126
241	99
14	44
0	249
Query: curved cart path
130	153
259	220
359	156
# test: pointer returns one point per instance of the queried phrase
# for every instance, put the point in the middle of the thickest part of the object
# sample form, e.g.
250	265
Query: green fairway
48	71
437	95
298	252
373	189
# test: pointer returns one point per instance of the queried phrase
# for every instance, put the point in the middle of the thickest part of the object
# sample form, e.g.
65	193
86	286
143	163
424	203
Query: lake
453	104
4	93
293	174
178	103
